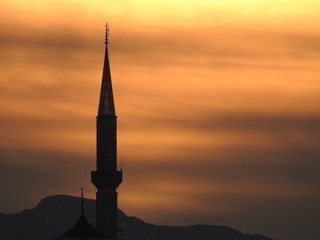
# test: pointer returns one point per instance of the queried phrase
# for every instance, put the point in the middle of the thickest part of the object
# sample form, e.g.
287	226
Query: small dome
81	230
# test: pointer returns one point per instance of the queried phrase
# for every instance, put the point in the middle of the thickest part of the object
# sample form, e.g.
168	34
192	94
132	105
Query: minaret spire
82	202
107	32
106	103
106	178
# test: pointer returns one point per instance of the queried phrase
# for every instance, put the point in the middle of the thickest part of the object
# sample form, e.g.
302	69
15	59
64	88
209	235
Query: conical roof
106	102
81	230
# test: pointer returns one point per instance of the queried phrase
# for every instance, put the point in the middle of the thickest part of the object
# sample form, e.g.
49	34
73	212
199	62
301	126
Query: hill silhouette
56	214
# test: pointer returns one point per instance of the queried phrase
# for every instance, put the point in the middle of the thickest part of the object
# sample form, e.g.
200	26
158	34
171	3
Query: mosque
106	178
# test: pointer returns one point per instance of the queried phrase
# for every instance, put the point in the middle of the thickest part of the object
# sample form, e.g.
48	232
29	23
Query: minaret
106	178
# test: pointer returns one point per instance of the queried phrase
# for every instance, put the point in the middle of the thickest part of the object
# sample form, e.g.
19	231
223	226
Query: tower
106	178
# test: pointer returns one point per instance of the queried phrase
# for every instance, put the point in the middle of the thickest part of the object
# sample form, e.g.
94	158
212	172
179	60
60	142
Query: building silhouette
106	178
82	230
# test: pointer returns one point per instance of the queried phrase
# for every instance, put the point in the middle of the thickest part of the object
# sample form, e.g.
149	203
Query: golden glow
188	13
217	100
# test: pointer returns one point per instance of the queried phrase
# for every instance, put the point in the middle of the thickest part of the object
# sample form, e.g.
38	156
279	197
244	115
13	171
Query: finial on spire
107	32
82	202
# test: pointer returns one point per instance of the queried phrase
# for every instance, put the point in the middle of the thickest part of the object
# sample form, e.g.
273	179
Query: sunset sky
217	104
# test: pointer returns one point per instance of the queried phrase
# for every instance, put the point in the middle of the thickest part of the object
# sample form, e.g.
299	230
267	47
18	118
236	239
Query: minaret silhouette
106	178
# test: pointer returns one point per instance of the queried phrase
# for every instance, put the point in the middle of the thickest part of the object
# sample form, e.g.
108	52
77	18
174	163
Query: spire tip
82	202
107	32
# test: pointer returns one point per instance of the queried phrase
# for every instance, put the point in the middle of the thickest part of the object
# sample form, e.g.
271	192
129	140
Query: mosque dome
82	230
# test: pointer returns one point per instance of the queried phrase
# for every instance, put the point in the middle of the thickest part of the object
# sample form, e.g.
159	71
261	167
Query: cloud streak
217	125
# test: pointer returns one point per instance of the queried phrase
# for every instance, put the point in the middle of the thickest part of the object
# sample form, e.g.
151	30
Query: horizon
62	211
217	105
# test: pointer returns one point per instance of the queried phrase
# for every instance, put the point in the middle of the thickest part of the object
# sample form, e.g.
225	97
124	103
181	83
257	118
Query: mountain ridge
56	214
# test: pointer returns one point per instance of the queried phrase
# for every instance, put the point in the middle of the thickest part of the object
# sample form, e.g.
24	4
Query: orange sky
217	104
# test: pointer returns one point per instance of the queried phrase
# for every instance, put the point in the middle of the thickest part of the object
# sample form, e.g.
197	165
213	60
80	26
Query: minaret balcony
106	179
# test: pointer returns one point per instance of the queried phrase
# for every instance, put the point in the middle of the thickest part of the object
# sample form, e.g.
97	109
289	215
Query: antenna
107	32
82	202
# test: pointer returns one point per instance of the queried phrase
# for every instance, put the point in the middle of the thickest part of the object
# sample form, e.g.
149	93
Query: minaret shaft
106	178
106	143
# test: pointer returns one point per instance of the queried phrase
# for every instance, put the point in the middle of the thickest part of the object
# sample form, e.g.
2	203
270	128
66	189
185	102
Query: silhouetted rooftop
81	230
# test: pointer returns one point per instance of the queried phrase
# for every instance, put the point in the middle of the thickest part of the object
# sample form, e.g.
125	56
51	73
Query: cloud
239	187
216	126
208	48
37	174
